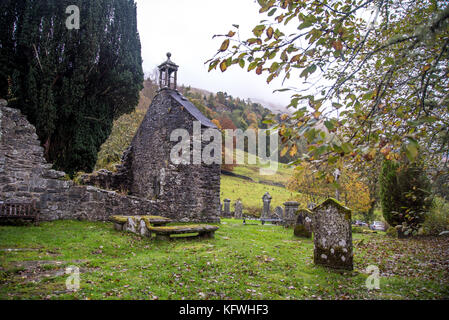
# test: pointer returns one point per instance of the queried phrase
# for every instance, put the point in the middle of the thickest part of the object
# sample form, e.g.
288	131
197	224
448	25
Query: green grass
242	262
281	174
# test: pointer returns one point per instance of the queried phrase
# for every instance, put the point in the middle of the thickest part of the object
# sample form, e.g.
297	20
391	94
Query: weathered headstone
279	213
332	235
291	207
266	205
227	208
238	209
303	227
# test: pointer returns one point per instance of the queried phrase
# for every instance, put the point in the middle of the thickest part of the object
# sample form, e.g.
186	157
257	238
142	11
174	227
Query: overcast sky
185	28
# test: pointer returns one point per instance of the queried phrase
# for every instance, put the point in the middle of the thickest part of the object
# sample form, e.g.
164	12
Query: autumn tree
373	71
316	186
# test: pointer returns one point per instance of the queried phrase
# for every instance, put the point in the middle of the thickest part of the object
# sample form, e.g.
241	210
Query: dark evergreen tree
71	84
405	195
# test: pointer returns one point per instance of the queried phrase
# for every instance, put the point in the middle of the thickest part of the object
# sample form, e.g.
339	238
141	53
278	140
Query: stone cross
266	205
238	209
337	176
303	227
291	207
332	235
227	208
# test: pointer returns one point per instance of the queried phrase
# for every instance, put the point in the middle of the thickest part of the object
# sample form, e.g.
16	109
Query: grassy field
242	262
282	173
250	193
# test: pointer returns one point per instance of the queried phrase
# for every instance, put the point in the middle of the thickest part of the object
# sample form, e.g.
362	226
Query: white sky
185	28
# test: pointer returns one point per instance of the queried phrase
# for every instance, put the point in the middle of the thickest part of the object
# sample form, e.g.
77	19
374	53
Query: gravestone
266	205
279	213
238	209
303	227
291	207
227	208
332	235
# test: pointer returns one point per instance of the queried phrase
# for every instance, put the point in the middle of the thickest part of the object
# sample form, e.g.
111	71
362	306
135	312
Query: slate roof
190	107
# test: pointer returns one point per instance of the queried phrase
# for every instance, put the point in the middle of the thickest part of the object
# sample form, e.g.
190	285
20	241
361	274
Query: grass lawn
242	262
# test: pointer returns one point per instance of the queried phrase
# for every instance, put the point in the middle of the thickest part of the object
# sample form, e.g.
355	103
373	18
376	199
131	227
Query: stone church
184	192
147	180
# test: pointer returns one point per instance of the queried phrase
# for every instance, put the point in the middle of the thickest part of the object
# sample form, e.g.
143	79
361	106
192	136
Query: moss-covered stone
149	220
332	235
304	225
335	202
336	257
301	231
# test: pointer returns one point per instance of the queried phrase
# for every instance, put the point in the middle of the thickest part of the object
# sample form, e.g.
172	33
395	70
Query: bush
437	220
405	195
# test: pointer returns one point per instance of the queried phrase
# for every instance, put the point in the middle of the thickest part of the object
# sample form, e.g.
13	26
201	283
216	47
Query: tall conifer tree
71	84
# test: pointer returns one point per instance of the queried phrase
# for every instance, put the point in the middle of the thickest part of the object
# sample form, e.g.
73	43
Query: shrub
405	195
437	220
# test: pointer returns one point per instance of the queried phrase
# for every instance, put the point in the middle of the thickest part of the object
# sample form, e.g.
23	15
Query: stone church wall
25	175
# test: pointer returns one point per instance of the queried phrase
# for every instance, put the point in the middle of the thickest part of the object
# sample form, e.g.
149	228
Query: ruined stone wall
186	192
25	175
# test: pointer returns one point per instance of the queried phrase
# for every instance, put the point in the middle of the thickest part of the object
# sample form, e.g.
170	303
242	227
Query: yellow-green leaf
224	45
223	66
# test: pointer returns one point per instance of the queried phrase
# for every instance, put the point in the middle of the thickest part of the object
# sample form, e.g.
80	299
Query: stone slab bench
20	210
120	221
203	230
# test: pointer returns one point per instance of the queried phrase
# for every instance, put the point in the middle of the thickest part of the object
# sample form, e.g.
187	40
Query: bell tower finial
168	74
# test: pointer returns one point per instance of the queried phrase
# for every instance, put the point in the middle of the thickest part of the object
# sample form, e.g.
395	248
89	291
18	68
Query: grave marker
332	235
238	209
266	205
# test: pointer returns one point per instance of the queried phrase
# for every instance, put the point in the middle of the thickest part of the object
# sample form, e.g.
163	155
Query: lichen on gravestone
332	235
